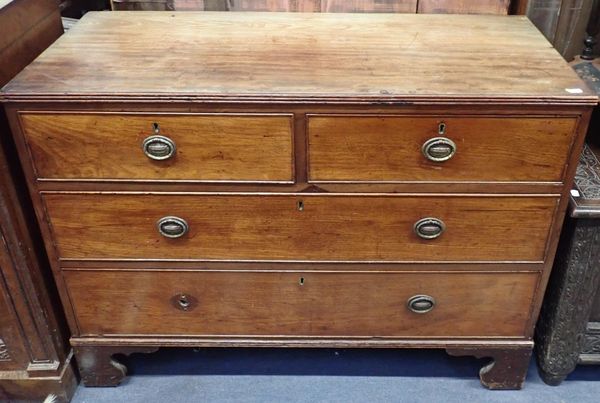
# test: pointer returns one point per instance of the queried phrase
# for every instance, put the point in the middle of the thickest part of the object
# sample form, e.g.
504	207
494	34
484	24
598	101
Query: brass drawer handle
420	303
158	147
429	228
184	302
172	227
438	149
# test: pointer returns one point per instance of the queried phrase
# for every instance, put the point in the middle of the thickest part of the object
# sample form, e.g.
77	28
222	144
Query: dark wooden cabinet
568	332
274	179
35	358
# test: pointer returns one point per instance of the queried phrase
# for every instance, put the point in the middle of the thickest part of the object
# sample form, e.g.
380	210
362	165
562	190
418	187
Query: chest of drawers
206	179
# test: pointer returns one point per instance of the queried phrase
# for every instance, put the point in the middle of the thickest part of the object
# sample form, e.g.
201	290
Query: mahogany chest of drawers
207	179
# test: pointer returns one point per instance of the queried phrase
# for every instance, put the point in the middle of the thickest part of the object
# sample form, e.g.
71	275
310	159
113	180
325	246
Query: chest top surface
301	57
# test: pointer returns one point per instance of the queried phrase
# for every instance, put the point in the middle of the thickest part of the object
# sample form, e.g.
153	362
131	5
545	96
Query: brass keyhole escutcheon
300	205
442	129
301	281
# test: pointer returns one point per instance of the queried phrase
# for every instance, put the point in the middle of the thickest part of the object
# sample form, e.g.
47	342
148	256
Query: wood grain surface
274	57
28	28
330	6
388	148
209	147
325	304
271	227
290	264
464	6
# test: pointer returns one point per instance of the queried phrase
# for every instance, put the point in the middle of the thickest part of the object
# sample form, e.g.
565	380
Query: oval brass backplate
429	228
172	227
420	303
184	302
159	147
438	149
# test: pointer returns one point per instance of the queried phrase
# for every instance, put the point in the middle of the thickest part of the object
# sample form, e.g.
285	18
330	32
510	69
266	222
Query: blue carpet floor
325	375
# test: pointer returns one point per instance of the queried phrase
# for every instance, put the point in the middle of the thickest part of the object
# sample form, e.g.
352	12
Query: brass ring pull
420	303
438	149
172	227
158	147
429	228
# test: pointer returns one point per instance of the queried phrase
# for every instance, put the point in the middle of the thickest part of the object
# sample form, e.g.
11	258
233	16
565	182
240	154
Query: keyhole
301	282
300	205
155	127
442	129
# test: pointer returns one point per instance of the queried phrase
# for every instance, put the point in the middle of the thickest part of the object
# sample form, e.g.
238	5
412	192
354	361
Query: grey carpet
313	375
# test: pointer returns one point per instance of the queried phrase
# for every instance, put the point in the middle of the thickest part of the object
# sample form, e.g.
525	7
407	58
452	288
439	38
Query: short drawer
301	303
438	149
202	147
300	227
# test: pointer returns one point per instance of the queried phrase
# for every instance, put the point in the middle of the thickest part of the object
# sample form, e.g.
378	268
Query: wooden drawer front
208	147
323	304
325	228
379	149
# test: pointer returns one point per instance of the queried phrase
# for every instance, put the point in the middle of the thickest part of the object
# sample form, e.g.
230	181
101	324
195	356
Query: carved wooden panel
590	352
4	354
587	178
560	333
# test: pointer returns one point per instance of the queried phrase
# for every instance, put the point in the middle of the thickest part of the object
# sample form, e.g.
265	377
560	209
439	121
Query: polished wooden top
290	57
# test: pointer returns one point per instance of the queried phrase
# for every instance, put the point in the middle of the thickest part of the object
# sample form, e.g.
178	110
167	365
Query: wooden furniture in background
563	22
592	30
34	354
343	6
568	331
233	194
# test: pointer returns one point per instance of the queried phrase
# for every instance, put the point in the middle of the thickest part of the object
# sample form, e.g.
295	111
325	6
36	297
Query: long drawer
209	147
301	303
438	149
300	227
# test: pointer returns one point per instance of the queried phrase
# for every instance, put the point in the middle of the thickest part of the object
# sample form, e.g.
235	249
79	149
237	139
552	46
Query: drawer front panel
206	147
299	227
302	303
379	149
